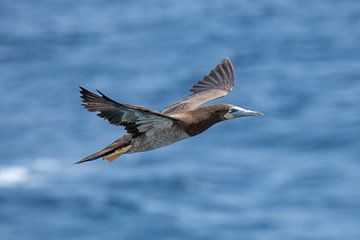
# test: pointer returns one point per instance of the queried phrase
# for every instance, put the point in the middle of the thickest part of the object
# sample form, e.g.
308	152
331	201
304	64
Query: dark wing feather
135	119
218	83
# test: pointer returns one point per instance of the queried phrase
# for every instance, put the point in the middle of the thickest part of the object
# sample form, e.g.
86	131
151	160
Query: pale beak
235	112
248	113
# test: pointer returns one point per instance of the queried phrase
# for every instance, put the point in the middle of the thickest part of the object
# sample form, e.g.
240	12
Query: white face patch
228	116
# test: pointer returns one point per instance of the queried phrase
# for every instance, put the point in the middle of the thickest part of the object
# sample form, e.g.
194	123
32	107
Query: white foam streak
30	175
11	176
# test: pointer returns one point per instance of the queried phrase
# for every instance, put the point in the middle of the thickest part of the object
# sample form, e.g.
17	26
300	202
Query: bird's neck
197	121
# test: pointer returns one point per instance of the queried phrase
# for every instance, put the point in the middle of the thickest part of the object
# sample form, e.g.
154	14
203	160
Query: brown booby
148	129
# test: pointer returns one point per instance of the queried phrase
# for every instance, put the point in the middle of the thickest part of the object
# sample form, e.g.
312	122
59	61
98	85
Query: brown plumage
148	129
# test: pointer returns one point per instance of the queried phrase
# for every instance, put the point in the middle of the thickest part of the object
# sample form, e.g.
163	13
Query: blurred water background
293	174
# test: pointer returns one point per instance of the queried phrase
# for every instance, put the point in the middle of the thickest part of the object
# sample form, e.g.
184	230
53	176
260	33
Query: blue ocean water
292	174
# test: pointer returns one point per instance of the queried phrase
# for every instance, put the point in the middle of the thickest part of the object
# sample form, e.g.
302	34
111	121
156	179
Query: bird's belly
157	139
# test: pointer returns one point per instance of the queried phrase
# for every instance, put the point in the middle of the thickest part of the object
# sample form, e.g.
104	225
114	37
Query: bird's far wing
218	83
135	119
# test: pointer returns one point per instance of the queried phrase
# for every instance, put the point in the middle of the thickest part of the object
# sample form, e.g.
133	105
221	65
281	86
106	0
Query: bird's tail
111	152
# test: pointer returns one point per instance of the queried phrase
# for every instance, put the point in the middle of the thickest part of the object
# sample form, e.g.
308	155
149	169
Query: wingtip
100	92
83	91
227	60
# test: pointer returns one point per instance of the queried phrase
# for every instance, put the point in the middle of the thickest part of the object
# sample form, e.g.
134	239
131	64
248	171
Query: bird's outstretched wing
135	119
218	83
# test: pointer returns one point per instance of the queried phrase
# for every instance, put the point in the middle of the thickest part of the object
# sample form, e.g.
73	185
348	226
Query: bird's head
201	119
235	112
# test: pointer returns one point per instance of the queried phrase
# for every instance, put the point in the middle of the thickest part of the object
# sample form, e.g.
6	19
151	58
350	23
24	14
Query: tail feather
112	148
94	156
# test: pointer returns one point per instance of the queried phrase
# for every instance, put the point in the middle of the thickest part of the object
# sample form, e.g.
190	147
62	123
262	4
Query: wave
30	174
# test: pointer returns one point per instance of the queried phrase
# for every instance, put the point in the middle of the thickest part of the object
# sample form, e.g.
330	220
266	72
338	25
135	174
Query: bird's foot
111	157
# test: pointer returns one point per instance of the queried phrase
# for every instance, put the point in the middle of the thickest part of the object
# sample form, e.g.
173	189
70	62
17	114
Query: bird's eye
231	110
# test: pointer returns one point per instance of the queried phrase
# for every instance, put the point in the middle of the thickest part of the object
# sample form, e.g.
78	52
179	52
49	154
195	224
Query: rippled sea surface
292	174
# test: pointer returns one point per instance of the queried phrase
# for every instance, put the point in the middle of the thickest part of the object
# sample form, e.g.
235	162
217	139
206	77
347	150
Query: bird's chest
157	138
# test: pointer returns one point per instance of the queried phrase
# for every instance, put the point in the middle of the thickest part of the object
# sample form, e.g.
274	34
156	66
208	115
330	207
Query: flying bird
148	129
